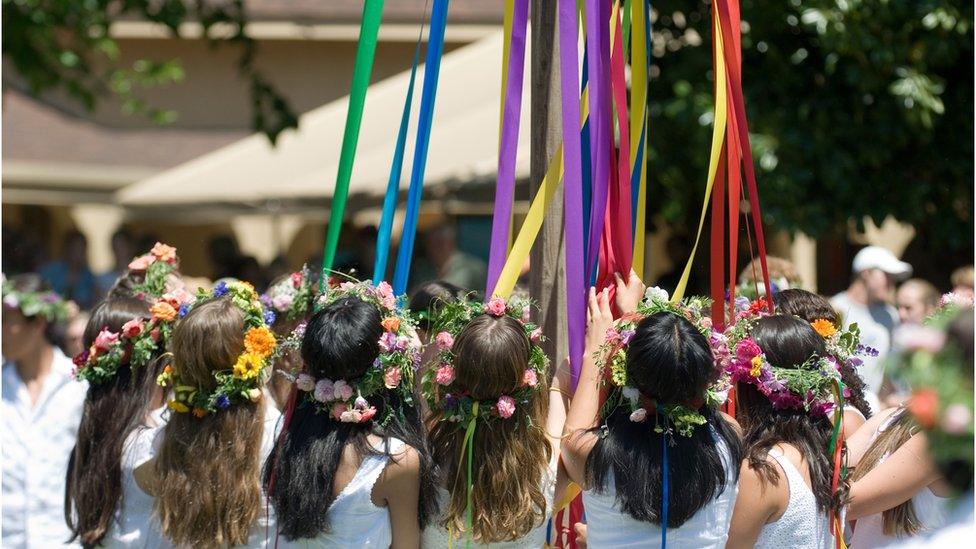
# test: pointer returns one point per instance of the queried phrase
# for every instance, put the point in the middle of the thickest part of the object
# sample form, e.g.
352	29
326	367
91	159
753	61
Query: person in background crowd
41	409
916	299
866	302
962	281
782	276
250	270
74	334
225	258
70	277
453	265
123	248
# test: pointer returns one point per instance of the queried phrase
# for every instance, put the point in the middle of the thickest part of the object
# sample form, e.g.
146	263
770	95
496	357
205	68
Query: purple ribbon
597	37
508	148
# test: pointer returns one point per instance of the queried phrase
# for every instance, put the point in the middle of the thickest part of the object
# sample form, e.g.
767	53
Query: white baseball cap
876	257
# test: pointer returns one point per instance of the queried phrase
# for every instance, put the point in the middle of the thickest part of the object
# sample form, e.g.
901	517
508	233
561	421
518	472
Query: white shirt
876	322
802	524
133	519
36	443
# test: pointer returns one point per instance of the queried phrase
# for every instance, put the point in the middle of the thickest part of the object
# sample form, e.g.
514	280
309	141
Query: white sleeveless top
802	524
437	536
609	526
932	511
356	521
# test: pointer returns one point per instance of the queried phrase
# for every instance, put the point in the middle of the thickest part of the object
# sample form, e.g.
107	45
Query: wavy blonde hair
510	456
207	477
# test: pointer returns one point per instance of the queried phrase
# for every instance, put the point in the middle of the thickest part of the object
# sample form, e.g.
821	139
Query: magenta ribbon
508	148
601	135
573	186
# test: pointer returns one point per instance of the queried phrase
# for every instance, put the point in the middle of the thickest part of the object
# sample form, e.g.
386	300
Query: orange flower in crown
260	341
824	327
162	310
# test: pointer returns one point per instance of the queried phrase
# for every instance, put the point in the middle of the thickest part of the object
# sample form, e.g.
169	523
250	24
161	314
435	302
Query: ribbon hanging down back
362	69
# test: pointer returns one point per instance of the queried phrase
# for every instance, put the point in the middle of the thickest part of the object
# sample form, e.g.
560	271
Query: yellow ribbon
638	120
718	133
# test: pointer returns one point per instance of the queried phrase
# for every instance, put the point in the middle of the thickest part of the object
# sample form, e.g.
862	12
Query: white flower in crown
631	394
655	293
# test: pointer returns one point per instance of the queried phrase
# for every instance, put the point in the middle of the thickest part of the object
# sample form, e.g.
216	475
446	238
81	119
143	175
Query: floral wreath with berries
399	358
456	403
681	417
155	266
241	381
47	304
290	297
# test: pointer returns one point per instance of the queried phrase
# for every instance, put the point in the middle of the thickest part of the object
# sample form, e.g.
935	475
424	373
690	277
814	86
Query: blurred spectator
70	276
123	250
249	270
782	276
916	300
962	281
39	416
866	303
277	268
72	343
22	251
451	264
225	259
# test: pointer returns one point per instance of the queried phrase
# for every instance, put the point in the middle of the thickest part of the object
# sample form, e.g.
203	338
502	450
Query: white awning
463	142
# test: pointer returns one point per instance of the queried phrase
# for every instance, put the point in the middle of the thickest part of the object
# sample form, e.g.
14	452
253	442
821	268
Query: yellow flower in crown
178	406
757	363
248	366
824	327
260	341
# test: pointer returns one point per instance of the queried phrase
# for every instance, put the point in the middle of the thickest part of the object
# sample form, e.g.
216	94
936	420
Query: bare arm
859	442
399	487
755	506
585	408
893	482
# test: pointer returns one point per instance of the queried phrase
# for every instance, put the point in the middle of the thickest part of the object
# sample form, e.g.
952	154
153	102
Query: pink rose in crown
445	375
155	334
391	378
179	296
164	252
283	302
495	307
305	383
338	409
343	391
638	415
324	390
746	349
105	339
142	262
526	314
613	335
536	335
385	292
351	416
132	328
367	414
296	280
444	341
706	322
505	406
530	378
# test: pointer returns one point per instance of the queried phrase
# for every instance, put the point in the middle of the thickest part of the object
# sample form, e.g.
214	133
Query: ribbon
363	67
665	491
435	48
508	148
601	135
639	65
836	451
467	451
393	185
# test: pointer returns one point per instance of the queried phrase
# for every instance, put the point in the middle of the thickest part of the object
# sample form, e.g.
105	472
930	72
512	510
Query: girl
350	468
815	308
783	383
205	476
490	413
660	454
289	298
102	505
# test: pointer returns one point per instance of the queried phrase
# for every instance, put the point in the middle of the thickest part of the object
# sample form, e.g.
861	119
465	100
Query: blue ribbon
665	492
393	185
435	48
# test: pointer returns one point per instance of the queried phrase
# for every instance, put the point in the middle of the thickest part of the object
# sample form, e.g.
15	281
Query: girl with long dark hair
350	467
784	384
657	463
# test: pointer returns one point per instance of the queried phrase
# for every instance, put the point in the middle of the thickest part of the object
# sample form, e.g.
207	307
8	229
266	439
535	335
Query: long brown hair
112	411
510	456
207	483
900	520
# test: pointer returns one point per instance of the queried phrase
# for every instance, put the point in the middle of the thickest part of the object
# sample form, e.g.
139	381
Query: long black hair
340	342
788	342
668	360
112	410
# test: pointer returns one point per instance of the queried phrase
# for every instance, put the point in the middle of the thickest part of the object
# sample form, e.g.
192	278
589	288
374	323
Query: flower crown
156	266
291	296
242	381
48	304
134	344
682	417
456	403
844	346
394	368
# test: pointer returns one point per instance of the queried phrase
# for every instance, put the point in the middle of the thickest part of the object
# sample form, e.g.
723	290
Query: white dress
356	521
133	523
802	524
36	442
434	535
608	526
931	510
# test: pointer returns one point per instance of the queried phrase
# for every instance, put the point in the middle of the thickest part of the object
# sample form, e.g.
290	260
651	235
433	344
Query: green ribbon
363	68
467	450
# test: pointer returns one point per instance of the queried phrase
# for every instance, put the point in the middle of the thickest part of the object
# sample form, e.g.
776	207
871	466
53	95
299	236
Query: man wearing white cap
866	302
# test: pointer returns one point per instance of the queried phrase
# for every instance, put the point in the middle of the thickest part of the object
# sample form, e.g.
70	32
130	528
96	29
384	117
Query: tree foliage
65	45
856	108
